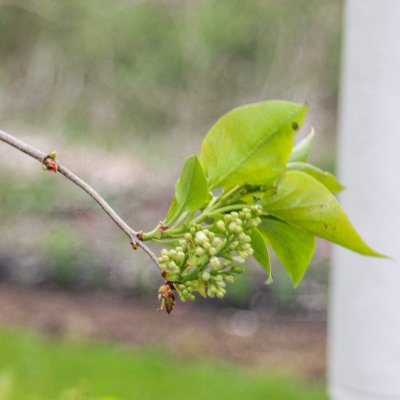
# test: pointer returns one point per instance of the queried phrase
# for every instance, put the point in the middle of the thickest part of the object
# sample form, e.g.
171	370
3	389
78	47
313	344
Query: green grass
34	368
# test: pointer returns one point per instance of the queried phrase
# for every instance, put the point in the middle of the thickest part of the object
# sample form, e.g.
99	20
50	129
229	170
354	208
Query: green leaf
261	254
251	144
191	189
172	212
301	151
302	201
293	246
326	178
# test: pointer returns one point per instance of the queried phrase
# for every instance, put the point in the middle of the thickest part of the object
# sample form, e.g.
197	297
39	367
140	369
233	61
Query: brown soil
229	334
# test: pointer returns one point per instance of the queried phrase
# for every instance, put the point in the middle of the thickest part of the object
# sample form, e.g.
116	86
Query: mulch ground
238	336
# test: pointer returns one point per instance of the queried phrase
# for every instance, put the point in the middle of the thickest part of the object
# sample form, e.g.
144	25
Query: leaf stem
231	207
230	192
181	218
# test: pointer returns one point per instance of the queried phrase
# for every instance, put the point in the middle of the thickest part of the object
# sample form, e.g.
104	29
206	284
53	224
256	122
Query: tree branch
42	157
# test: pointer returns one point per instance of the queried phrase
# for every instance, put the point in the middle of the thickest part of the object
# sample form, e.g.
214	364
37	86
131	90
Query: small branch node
162	227
49	163
139	235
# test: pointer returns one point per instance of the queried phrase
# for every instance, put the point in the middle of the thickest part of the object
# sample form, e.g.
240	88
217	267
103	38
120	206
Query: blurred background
125	91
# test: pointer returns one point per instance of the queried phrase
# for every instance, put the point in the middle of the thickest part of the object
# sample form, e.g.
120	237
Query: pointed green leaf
191	189
302	201
261	254
172	212
301	151
326	178
293	246
251	144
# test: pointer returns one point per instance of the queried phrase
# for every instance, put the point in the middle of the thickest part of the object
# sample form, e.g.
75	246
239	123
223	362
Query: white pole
364	340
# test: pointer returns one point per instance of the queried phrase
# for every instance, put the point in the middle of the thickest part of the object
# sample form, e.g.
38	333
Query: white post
364	360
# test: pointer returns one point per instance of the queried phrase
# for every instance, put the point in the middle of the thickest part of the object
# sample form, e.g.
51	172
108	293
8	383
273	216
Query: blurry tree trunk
365	304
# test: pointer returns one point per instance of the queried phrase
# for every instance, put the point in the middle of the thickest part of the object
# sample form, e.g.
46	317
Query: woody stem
40	156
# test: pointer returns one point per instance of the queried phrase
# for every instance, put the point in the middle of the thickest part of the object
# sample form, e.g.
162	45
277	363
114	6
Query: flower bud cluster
209	256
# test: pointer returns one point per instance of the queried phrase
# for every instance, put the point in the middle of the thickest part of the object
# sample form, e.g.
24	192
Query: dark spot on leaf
295	125
334	228
321	206
325	226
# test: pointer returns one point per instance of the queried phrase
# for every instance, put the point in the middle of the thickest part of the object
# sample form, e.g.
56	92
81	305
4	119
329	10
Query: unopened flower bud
244	238
228	218
246	246
180	256
206	245
201	237
232	227
212	290
206	276
200	251
172	254
221	226
214	262
217	242
256	210
212	251
188	236
244	254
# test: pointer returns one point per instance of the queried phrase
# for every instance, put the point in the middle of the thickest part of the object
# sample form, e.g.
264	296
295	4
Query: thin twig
41	157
